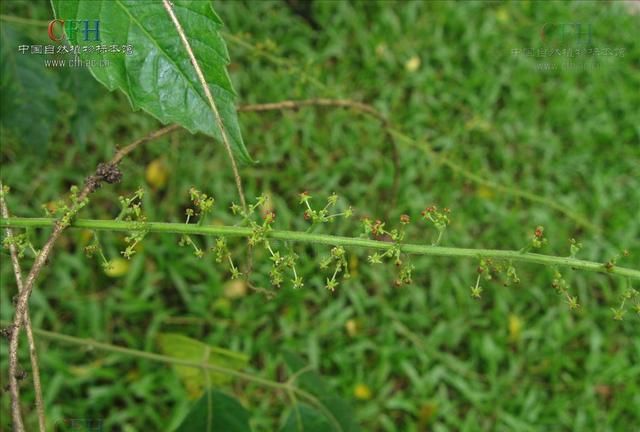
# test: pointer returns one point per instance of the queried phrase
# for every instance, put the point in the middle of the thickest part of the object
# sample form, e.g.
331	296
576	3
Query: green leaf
304	418
215	412
194	379
333	409
158	75
83	92
28	107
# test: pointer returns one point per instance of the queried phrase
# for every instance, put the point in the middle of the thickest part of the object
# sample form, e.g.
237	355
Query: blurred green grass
433	358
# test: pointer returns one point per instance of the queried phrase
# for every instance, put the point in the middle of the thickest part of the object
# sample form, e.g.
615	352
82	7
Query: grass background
433	358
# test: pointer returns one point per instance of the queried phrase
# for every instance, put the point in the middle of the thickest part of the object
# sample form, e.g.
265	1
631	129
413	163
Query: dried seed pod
109	173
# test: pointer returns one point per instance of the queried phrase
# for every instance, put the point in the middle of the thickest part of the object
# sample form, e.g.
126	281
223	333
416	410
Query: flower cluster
323	215
377	230
21	242
609	265
562	287
131	211
484	271
64	210
538	240
490	270
630	295
202	205
439	218
259	237
94	248
222	254
574	247
259	218
338	257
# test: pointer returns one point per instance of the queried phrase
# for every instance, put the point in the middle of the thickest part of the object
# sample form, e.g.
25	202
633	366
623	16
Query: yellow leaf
515	327
235	289
362	392
157	174
117	267
194	379
86	370
352	327
353	265
485	192
413	64
502	15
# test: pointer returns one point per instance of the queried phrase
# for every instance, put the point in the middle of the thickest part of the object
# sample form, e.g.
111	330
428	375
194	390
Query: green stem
304	237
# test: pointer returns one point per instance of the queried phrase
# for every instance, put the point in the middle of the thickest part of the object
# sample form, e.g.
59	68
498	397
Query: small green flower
332	200
348	212
618	314
376	258
573	302
331	284
304	197
235	273
476	291
574	247
297	282
235	208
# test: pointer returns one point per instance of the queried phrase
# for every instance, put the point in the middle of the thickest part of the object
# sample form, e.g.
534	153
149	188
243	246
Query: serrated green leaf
215	412
185	348
158	76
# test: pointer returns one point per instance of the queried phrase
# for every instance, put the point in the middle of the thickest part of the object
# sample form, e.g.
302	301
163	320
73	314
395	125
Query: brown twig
35	371
105	172
120	154
341	103
296	104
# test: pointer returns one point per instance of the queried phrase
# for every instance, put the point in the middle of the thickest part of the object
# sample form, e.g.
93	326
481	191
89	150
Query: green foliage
186	348
305	418
28	107
216	411
332	412
433	359
158	76
81	91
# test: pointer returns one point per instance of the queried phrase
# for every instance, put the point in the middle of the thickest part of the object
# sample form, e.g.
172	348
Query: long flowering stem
305	237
